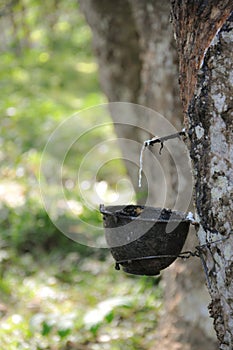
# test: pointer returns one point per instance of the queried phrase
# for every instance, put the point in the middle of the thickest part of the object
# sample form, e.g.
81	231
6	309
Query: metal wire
183	255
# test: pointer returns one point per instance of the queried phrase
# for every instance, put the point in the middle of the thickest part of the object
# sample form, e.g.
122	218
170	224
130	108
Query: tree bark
136	52
123	44
195	23
208	106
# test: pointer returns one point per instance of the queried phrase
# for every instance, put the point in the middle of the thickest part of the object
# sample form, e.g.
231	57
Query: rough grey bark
212	153
209	110
135	48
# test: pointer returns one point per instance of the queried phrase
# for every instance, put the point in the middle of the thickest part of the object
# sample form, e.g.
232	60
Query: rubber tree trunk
134	44
204	34
131	69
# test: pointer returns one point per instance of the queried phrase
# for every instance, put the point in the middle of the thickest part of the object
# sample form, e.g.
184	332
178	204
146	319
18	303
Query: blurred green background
56	293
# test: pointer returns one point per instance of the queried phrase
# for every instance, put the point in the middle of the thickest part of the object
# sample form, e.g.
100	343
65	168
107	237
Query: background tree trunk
135	48
208	106
131	69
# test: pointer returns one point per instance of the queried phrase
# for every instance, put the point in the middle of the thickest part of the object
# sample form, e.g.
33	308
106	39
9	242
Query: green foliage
48	283
29	228
41	79
92	307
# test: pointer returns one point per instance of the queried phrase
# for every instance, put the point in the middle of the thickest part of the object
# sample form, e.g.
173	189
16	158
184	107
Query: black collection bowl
144	240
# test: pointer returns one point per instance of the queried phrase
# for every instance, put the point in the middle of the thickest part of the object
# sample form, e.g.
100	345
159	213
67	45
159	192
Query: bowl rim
183	216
